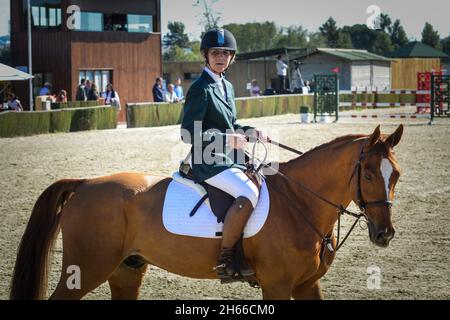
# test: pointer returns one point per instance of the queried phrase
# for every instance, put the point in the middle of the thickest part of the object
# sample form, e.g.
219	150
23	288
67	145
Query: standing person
46	90
81	91
13	103
87	88
179	89
171	96
281	72
111	97
210	106
255	91
93	93
158	93
62	97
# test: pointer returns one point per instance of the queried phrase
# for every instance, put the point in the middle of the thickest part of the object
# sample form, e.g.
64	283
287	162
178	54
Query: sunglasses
216	53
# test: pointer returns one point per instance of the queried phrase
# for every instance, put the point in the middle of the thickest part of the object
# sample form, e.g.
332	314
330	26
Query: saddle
219	200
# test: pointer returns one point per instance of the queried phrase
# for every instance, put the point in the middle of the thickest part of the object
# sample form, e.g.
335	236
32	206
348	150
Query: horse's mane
336	143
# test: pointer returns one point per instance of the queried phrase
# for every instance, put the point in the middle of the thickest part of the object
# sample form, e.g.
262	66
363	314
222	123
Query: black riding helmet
220	39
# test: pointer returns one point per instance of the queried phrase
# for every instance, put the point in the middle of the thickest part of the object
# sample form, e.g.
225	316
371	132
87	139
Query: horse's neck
327	172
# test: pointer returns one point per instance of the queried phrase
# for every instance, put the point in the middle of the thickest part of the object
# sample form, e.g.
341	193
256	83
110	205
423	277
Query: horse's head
374	181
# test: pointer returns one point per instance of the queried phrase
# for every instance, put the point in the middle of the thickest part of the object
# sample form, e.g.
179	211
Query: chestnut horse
106	220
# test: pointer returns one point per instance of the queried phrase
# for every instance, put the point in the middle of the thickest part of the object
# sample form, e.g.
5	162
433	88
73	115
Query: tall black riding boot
235	221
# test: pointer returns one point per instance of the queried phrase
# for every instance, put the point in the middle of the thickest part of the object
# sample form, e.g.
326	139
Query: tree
316	40
5	55
191	53
176	35
398	35
445	45
254	36
385	23
292	37
430	36
211	17
382	44
362	36
344	40
330	31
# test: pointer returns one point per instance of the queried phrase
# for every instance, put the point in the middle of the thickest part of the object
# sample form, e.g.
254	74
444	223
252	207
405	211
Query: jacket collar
213	83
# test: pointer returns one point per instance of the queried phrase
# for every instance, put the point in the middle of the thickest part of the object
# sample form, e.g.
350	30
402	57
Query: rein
326	239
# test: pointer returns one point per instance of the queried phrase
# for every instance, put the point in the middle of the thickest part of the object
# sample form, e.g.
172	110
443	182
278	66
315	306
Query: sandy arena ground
415	266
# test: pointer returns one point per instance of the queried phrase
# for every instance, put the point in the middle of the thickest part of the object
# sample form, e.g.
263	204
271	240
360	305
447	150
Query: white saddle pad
181	199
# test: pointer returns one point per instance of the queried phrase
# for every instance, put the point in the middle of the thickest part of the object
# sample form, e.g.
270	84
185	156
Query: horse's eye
368	176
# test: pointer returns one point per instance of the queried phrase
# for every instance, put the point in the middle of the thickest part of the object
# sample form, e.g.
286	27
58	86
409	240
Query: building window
101	78
140	23
44	13
88	21
115	22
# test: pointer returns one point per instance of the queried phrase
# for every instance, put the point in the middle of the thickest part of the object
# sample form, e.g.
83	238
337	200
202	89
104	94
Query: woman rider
210	119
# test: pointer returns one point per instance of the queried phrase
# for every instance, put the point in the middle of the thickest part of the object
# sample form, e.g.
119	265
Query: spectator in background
87	88
179	89
255	91
281	72
158	93
62	97
112	97
93	93
171	96
13	103
46	90
312	86
81	91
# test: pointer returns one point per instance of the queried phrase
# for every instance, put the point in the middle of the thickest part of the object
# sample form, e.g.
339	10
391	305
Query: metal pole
336	90
30	59
432	99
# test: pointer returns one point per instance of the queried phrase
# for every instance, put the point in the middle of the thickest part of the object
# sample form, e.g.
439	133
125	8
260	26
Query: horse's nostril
385	235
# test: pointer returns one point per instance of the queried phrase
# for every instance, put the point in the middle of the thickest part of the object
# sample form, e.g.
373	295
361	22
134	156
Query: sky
308	13
311	14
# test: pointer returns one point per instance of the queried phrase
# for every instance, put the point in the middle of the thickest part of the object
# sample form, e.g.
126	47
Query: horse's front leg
277	291
308	291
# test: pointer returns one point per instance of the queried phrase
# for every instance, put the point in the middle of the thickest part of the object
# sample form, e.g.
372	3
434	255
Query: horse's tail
29	279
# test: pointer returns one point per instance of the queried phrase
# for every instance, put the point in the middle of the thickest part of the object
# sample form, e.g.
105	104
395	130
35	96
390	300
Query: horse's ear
395	137
375	136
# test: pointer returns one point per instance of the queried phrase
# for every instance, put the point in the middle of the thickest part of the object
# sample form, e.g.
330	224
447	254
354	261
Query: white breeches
234	182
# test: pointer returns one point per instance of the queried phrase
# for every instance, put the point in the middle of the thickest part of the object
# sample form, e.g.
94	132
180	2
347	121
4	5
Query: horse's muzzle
381	237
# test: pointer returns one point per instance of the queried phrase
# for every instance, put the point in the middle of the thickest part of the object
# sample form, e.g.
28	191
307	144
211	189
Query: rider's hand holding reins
260	135
237	141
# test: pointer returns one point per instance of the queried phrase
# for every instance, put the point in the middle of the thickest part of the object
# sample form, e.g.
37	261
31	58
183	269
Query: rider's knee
244	203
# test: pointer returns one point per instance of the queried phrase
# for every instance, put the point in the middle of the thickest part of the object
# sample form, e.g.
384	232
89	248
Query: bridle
362	205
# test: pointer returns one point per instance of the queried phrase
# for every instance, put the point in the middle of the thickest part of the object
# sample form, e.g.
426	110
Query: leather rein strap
326	239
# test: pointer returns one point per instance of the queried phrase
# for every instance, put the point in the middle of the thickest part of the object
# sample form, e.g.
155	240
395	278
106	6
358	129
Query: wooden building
355	68
105	41
413	58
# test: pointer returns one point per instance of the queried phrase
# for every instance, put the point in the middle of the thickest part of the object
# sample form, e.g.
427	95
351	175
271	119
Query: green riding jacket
206	104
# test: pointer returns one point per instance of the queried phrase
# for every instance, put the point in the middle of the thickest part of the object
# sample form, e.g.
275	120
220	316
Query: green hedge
13	124
153	114
74	104
161	114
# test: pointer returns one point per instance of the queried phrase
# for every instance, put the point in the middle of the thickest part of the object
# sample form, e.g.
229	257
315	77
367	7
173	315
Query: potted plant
304	113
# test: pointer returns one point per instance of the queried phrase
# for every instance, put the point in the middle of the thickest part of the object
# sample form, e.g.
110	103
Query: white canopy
10	74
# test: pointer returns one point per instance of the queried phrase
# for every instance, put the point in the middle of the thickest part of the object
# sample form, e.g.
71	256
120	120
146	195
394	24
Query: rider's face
219	60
